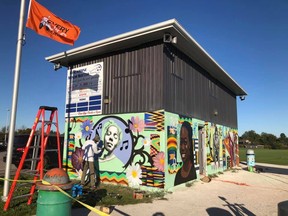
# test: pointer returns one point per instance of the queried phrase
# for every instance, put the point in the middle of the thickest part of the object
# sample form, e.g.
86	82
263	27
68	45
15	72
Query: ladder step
24	184
50	122
30	172
34	147
32	159
21	196
51	150
48	108
27	171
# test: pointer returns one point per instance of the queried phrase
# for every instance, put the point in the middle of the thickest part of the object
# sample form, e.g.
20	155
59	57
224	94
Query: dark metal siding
133	78
191	91
158	76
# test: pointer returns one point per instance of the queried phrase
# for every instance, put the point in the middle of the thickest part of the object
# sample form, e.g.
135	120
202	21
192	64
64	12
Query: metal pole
6	127
14	99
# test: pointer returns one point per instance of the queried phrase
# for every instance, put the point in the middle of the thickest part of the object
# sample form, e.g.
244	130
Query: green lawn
271	156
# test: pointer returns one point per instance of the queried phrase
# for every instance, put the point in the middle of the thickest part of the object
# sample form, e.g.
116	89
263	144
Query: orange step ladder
37	171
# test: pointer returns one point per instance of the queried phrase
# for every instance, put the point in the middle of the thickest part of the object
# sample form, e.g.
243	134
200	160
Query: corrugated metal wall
133	79
191	91
146	79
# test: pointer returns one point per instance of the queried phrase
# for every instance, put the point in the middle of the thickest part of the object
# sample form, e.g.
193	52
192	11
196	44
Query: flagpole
14	100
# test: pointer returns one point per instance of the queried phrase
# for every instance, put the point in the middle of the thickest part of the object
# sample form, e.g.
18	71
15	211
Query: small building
165	110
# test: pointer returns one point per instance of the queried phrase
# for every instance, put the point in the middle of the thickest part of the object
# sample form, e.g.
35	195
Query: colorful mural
187	172
154	149
129	152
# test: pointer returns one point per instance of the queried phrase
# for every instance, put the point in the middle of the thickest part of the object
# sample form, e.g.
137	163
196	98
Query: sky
248	39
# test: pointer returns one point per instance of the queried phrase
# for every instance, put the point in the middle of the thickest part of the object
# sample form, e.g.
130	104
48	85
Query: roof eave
194	50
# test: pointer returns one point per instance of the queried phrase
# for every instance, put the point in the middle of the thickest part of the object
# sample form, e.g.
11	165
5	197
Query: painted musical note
127	130
124	144
99	126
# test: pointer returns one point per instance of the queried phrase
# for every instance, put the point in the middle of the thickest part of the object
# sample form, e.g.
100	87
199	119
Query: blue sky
249	39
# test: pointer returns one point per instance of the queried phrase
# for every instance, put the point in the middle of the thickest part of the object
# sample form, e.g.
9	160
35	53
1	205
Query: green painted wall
154	149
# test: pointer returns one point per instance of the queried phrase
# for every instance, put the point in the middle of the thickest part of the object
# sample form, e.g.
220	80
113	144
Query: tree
283	136
23	131
252	136
267	139
283	140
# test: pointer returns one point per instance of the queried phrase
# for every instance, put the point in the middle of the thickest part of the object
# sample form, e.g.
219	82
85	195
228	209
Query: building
165	111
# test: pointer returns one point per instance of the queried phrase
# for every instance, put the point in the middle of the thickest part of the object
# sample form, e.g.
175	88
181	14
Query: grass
108	195
271	156
104	195
18	207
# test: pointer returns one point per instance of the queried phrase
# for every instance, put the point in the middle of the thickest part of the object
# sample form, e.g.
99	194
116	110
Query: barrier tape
62	191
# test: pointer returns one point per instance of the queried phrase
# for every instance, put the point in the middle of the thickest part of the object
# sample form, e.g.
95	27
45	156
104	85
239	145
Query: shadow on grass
91	198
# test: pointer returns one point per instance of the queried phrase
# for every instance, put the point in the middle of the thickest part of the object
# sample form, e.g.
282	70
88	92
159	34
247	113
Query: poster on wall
84	90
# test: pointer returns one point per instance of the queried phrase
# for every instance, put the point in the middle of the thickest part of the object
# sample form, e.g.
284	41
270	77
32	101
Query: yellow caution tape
85	205
19	180
65	193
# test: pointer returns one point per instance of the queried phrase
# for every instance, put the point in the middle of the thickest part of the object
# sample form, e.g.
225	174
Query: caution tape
62	191
4	179
85	205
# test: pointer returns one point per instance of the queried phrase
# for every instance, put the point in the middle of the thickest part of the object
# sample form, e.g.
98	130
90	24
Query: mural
231	145
187	172
129	152
153	149
222	147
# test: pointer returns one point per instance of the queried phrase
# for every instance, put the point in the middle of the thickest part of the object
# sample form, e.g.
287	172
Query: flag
45	23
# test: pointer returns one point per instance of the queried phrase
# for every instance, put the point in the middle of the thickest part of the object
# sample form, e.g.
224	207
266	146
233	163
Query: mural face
111	138
185	144
187	172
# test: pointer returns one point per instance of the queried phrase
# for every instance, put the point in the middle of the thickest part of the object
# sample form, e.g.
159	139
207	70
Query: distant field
270	156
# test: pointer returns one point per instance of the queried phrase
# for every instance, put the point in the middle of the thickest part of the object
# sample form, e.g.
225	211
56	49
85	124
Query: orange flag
49	25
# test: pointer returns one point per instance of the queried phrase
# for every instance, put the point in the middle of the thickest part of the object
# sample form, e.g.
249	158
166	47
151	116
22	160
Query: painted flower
159	160
146	142
78	135
133	174
137	124
77	158
172	130
86	128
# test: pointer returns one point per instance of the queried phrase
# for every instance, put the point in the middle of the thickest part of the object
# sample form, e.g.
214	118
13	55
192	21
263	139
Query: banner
45	23
84	90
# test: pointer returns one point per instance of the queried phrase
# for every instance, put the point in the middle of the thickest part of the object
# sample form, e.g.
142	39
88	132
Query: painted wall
153	149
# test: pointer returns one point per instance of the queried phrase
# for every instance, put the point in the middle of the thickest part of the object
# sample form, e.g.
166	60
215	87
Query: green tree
269	140
252	136
283	140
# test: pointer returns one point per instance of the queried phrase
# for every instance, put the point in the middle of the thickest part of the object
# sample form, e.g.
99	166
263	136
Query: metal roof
185	43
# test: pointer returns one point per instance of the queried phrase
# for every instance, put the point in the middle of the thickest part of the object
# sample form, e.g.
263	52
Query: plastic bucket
52	203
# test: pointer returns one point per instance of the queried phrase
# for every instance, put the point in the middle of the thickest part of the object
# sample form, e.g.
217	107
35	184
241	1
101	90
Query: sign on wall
84	90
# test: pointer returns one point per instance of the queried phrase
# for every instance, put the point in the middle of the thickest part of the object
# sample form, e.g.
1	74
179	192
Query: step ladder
37	160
